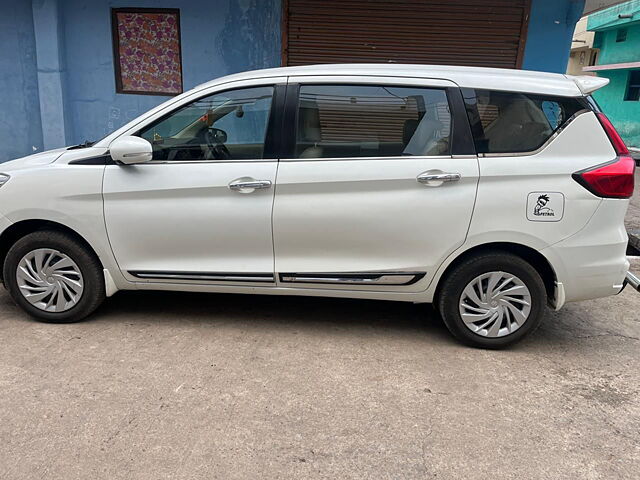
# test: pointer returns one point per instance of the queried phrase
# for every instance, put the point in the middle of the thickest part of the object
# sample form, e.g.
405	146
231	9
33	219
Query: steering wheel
216	138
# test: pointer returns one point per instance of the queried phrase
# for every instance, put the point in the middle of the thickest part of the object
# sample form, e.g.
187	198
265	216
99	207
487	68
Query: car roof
468	77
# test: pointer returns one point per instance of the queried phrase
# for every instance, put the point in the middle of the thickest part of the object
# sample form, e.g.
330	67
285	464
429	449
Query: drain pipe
633	281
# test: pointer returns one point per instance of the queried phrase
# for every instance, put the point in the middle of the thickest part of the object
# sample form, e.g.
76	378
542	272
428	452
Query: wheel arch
19	229
536	259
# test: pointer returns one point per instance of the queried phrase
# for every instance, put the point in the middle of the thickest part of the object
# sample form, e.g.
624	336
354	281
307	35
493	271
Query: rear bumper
585	273
4	224
592	263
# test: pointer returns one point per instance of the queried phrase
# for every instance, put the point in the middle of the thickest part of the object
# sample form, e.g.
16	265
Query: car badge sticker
545	206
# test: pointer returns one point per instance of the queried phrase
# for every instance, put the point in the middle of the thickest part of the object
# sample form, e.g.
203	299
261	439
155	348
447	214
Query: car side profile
490	193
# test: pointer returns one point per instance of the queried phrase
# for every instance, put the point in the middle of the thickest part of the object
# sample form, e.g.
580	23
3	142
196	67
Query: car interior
322	133
203	140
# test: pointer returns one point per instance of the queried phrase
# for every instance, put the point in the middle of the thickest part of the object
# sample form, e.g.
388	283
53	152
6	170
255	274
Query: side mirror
131	150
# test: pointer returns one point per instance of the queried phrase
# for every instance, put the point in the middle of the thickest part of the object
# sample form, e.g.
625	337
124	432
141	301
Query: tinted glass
337	121
227	126
510	122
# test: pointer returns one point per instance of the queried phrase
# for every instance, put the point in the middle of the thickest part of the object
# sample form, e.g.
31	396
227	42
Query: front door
371	196
201	210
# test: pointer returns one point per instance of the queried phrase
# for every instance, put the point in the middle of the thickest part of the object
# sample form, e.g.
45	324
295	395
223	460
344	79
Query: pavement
197	386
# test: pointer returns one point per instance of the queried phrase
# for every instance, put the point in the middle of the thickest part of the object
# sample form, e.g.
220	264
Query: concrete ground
196	386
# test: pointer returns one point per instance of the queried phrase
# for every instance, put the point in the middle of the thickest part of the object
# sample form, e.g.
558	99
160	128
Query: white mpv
490	193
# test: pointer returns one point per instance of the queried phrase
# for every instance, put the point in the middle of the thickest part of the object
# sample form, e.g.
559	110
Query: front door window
230	125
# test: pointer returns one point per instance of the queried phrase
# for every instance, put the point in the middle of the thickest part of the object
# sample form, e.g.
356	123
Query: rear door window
338	121
512	122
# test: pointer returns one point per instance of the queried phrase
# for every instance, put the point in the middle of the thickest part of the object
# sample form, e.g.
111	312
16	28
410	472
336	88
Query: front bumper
4	223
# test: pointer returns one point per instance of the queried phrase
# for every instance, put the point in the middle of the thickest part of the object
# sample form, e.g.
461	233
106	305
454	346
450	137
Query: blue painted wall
551	26
218	37
20	128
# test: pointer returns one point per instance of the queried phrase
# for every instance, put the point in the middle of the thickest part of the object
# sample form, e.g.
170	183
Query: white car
491	193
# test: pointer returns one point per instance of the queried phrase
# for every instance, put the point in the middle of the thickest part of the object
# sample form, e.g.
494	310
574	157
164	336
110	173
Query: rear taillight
612	179
614	136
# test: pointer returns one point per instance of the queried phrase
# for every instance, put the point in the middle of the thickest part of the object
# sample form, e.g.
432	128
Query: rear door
377	183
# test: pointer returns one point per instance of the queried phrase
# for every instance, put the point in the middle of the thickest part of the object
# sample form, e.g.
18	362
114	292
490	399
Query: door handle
435	179
248	184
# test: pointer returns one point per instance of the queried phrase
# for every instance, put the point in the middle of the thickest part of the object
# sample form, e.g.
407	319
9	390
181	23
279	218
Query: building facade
75	70
617	38
582	52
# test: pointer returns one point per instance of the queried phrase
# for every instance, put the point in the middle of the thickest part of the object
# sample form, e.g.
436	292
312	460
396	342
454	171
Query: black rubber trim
290	121
273	140
100	160
624	285
461	136
590	103
471	112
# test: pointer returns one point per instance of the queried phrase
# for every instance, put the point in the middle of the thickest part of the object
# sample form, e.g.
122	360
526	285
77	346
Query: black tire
457	279
94	289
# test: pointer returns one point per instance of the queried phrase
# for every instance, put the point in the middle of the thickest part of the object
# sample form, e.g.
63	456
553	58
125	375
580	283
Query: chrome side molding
350	278
354	278
206	276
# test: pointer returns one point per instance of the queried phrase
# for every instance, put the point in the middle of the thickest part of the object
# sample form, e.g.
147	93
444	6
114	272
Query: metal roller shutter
489	33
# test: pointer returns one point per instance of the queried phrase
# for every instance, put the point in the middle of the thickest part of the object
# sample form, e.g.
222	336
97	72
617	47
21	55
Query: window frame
272	134
460	139
466	91
631	85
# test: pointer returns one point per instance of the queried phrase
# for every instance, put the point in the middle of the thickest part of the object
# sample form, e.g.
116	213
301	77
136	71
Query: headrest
408	130
309	123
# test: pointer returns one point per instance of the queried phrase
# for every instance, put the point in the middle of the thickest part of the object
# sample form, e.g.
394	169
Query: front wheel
54	277
492	300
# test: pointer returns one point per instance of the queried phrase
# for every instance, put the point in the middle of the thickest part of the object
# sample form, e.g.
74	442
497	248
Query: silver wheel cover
49	280
495	304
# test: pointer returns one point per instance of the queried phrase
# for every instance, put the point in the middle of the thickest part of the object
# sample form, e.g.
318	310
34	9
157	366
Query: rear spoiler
588	84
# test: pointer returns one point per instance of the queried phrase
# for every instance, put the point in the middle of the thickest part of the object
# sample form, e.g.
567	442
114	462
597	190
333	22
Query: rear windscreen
513	122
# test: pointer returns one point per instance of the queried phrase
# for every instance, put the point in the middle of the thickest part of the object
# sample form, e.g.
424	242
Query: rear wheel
492	300
54	277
